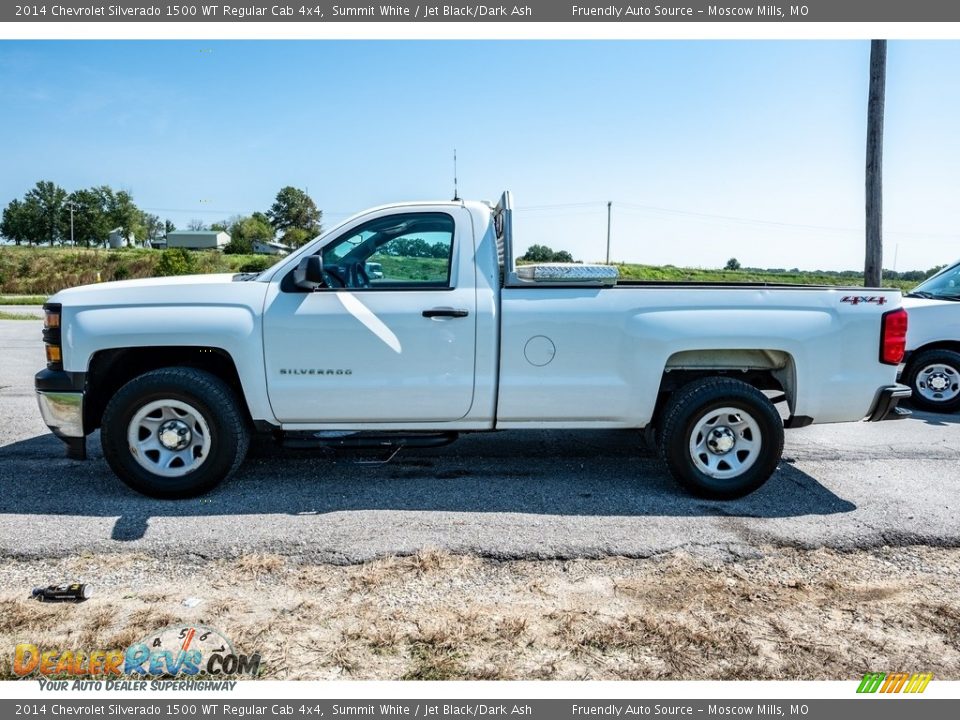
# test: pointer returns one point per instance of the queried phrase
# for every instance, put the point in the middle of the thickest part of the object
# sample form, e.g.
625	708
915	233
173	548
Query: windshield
943	286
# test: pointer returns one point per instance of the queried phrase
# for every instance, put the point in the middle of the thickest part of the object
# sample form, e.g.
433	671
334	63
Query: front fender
234	329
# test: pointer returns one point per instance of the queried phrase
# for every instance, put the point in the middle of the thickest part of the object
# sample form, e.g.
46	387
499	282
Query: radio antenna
455	195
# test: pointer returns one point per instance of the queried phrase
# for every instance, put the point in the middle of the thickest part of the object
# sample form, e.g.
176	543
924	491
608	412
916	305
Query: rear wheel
174	432
721	438
934	377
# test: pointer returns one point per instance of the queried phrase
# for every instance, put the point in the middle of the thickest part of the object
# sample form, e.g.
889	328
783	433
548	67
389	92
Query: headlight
51	317
51	336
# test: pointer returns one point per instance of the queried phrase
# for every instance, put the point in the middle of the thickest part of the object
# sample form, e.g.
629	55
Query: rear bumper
885	404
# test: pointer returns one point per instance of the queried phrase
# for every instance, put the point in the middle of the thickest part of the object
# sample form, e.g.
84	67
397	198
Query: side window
399	251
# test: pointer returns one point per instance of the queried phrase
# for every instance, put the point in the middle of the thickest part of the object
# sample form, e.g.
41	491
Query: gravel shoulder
785	614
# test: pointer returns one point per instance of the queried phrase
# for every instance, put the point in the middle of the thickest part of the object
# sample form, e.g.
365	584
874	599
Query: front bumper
885	405
62	412
60	397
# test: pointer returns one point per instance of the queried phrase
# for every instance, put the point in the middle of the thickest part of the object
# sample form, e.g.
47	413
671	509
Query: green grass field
29	275
22	299
411	268
17	316
42	271
669	273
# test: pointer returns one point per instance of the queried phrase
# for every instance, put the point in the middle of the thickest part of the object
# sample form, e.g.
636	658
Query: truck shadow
561	473
935	419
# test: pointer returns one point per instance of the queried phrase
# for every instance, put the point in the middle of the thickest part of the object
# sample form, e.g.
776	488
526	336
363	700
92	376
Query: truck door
389	345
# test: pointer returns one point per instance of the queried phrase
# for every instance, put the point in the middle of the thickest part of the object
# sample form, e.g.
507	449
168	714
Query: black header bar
859	11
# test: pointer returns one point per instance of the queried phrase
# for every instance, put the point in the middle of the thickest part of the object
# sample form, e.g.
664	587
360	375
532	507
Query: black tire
222	447
744	470
945	366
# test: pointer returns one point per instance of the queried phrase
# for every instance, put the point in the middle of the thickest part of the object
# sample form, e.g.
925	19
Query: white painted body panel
384	395
385	362
193	310
562	357
612	346
931	322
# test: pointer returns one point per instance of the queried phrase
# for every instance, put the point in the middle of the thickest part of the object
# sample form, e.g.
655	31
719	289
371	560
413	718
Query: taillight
893	336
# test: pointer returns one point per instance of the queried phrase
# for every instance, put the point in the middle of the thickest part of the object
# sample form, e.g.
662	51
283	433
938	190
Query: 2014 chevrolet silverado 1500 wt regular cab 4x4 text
453	337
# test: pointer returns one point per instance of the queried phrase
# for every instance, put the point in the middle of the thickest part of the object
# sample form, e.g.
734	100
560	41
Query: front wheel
174	432
721	438
934	377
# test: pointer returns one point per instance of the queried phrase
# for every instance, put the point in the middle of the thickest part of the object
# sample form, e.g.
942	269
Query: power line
559	206
634	208
196	211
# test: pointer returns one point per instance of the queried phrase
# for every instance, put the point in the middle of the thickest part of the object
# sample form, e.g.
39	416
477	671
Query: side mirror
309	273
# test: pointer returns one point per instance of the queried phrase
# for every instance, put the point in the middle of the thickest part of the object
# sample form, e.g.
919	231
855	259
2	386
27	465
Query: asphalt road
507	495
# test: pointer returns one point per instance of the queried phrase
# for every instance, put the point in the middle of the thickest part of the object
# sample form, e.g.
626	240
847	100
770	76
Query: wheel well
939	345
763	369
761	379
110	370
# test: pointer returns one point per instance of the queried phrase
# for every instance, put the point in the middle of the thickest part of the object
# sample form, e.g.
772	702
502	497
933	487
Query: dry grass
257	565
788	615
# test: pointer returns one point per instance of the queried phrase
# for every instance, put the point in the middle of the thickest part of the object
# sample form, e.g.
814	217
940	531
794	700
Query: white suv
932	362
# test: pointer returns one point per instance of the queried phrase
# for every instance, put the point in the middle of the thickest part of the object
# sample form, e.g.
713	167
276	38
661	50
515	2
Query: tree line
854	275
416	247
43	215
48	214
544	253
293	217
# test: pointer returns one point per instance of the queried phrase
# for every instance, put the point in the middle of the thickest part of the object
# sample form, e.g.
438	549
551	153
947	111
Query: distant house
116	239
270	248
197	239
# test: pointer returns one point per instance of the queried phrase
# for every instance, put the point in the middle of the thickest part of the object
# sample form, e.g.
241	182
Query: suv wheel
934	377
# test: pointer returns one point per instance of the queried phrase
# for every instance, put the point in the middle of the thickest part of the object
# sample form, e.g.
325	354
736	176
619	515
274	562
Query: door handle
445	312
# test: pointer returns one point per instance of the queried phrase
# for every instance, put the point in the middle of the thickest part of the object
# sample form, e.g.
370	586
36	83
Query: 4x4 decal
858	299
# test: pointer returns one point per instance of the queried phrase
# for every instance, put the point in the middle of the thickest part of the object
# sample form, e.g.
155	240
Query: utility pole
609	204
72	205
873	265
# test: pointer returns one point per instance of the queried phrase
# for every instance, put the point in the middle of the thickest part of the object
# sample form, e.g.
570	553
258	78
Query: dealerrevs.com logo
898	682
187	652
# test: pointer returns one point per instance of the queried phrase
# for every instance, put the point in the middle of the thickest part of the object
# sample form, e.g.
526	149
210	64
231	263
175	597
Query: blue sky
708	149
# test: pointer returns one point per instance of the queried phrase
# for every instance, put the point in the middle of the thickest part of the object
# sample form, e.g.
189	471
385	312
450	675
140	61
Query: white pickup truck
453	337
932	361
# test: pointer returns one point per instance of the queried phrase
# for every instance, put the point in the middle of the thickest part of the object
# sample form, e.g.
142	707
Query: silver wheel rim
725	443
938	383
169	438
